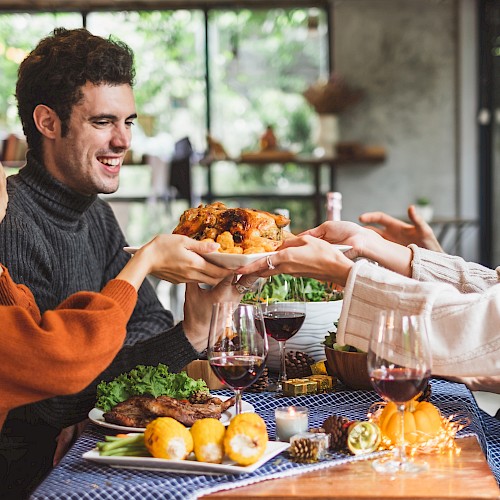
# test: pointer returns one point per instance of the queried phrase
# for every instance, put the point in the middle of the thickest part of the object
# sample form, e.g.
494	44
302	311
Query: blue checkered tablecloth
76	478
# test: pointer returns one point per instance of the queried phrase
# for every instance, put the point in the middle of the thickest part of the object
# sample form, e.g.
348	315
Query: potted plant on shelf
424	208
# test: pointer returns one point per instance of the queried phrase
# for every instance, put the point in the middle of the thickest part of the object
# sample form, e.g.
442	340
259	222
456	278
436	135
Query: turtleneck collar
50	192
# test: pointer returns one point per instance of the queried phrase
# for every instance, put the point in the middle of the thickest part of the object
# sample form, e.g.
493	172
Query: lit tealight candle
290	421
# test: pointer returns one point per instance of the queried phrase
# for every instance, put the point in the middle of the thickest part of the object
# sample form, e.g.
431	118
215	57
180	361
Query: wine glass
399	365
283	306
237	345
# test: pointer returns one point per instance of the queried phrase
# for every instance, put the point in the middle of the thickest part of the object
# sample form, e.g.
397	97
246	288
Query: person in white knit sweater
461	299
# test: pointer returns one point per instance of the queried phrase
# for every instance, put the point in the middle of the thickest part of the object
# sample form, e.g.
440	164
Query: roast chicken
238	230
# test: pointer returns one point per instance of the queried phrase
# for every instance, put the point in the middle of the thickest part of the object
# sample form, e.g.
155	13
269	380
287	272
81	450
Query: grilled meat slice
130	413
139	411
245	225
184	411
225	405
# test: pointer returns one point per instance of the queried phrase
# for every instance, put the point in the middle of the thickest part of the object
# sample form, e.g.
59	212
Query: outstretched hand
392	229
345	233
311	254
304	255
179	259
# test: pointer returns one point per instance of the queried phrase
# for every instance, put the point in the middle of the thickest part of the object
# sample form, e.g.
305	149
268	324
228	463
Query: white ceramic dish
320	319
342	248
131	250
227	260
233	260
97	417
189	466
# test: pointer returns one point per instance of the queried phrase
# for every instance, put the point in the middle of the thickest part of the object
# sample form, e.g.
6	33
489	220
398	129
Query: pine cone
199	397
426	393
260	385
298	364
304	450
337	427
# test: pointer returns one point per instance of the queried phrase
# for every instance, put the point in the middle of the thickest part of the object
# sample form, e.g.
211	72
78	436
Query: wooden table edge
464	476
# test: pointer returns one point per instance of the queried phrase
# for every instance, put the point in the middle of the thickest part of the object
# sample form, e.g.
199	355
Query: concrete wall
413	59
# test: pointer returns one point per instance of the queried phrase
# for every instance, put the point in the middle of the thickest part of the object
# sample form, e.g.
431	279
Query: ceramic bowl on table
320	319
348	367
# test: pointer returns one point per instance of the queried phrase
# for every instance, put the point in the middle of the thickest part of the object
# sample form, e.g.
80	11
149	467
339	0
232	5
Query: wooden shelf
365	156
338	161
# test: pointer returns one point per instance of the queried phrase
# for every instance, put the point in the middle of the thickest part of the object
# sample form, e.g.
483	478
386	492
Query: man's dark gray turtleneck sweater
58	242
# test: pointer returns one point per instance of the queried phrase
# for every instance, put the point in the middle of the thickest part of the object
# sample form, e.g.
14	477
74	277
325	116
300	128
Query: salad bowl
323	308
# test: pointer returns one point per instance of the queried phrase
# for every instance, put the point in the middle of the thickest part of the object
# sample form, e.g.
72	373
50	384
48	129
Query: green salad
147	380
331	341
314	290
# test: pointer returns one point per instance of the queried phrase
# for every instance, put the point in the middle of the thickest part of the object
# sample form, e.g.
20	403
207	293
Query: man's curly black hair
54	73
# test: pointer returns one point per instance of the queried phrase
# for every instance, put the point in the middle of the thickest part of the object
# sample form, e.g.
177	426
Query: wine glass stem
237	404
402	441
282	375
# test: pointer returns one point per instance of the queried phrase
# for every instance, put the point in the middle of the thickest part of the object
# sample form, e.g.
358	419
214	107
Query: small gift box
299	386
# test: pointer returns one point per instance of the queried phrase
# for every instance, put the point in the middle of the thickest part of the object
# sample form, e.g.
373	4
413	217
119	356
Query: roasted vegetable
208	439
123	445
246	438
165	437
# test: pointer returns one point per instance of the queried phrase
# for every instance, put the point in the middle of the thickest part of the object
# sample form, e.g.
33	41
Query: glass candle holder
291	420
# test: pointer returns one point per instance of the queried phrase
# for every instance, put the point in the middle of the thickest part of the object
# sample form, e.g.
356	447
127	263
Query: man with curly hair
76	105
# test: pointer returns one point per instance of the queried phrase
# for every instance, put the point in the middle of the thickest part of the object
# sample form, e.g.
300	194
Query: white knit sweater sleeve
465	333
465	276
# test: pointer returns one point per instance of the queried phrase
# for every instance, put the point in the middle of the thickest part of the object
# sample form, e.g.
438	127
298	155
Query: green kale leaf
147	380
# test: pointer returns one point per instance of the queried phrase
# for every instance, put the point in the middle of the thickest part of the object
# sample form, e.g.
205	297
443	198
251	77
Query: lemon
363	437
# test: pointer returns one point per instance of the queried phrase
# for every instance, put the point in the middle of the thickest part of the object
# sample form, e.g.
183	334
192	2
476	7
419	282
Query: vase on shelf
327	134
424	208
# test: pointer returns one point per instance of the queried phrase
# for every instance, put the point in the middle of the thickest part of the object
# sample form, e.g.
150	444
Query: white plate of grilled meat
136	412
188	466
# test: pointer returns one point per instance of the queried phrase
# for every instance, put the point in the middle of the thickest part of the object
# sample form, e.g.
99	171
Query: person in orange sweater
63	350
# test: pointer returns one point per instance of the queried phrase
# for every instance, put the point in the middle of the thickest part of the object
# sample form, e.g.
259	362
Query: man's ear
47	122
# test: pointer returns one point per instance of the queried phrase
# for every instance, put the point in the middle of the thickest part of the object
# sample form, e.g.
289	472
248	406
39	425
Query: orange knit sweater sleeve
61	351
12	294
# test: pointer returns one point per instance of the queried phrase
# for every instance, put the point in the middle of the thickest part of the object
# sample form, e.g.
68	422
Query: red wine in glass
282	325
399	363
284	309
238	372
398	384
237	345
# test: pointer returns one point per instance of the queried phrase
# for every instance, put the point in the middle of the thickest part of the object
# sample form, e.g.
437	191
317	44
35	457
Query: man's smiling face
89	157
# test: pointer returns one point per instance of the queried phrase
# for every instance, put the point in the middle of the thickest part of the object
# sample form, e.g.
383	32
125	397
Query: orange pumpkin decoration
422	421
